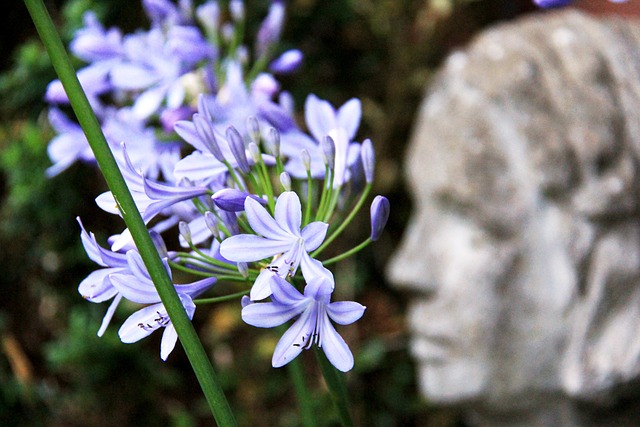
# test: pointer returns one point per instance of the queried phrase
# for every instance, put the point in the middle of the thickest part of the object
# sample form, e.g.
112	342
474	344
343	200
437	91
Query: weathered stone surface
524	245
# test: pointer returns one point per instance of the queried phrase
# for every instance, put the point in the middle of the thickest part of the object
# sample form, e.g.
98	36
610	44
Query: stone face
524	246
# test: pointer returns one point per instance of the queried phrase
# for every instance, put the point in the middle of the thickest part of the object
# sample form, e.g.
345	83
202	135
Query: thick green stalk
188	337
337	388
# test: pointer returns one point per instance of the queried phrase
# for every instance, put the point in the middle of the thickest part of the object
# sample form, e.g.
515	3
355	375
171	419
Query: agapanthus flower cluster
216	162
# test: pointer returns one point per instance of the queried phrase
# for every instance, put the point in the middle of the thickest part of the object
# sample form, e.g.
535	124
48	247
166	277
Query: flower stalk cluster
211	153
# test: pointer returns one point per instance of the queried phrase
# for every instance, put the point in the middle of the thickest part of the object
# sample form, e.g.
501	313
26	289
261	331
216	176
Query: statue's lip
431	348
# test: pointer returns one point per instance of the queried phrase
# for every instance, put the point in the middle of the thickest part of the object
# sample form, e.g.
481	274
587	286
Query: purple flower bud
209	15
158	242
207	136
253	129
288	62
285	180
254	151
212	224
380	209
306	159
265	86
243	269
368	157
185	231
273	142
232	200
548	4
328	151
237	148
236	7
269	31
230	221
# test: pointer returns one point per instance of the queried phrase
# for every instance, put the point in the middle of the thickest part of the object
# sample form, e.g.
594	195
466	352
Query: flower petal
97	287
269	314
314	234
109	315
320	117
134	289
345	312
334	346
168	343
261	288
247	248
263	223
140	324
312	269
288	213
349	115
294	340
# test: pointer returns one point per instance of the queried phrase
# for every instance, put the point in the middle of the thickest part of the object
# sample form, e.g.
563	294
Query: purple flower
278	236
68	146
138	287
323	120
380	209
314	324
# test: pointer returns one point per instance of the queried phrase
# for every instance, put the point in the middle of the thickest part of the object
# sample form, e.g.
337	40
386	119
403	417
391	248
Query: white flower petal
334	346
269	314
288	212
345	312
314	234
168	343
263	223
294	340
247	248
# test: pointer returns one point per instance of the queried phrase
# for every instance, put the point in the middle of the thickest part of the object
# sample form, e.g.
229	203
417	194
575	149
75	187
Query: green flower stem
345	223
305	402
223	298
297	376
348	253
187	334
337	388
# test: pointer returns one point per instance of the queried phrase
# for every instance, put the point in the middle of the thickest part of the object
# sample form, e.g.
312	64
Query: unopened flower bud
368	157
254	151
253	129
208	15
185	231
380	209
232	200
306	159
288	62
158	242
243	269
204	129
237	149
270	29
236	7
273	142
212	224
285	180
328	151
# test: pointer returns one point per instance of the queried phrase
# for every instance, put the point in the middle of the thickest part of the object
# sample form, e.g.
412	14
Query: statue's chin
453	382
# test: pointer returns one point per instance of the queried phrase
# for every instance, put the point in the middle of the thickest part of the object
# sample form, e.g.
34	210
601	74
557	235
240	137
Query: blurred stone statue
523	251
